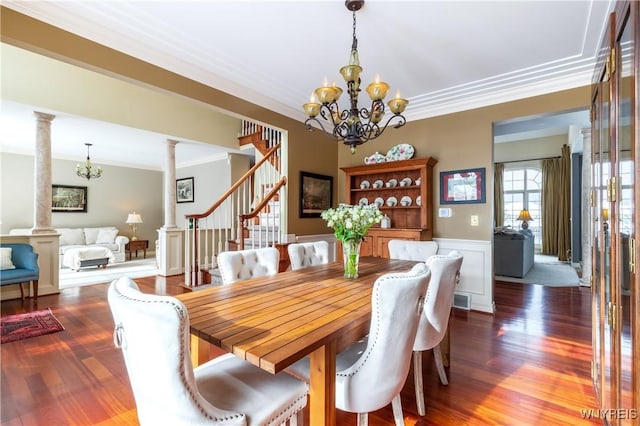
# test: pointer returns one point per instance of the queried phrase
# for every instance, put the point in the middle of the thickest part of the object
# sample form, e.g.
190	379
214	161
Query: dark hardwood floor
526	365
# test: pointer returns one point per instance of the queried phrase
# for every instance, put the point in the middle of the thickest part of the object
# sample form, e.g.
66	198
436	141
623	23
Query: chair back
445	274
23	256
412	250
380	372
153	333
246	264
303	255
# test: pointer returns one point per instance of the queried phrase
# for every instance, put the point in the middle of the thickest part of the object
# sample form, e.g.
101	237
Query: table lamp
525	217
133	219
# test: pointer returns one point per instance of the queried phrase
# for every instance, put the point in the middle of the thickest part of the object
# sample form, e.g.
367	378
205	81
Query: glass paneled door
601	174
625	229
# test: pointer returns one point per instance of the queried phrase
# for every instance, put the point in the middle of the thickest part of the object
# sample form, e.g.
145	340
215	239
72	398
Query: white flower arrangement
351	223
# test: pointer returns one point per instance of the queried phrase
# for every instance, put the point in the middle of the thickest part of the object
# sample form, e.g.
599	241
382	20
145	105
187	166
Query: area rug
549	274
32	324
94	275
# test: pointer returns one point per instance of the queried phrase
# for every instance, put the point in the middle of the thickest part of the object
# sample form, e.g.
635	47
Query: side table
137	245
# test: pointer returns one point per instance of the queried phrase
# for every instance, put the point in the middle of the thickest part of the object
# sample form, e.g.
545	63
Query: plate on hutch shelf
392	201
363	201
378	184
406	182
403	151
419	200
392	183
365	184
379	201
405	201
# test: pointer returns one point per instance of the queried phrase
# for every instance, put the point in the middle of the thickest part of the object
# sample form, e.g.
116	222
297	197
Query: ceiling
444	56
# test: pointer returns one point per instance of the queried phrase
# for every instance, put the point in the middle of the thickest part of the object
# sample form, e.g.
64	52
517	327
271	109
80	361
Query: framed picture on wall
70	199
316	194
462	186
184	190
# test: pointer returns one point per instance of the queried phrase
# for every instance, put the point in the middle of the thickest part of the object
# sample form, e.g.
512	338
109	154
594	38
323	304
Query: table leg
322	385
199	351
445	348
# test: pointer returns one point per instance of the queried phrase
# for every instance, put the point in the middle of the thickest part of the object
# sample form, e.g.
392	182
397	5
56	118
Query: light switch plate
475	220
444	212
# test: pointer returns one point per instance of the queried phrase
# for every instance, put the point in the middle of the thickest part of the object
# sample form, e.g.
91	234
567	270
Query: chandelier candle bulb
325	94
311	108
377	90
397	104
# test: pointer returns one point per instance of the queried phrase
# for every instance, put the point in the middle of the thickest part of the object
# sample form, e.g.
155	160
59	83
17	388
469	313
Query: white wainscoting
476	280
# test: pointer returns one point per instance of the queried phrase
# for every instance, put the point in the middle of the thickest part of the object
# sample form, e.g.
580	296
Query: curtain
564	206
556	205
549	219
498	195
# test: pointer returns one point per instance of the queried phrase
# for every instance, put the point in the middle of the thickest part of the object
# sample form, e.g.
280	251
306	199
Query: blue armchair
26	268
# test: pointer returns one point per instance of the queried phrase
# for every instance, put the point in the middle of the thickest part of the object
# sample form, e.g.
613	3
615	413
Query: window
523	190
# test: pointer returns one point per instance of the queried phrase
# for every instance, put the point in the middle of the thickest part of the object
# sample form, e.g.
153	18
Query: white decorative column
42	175
585	279
170	185
43	238
170	253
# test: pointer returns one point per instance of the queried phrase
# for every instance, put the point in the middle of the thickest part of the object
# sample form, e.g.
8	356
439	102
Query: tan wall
460	141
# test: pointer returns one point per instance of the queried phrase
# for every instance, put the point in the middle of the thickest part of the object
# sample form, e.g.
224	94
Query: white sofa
103	236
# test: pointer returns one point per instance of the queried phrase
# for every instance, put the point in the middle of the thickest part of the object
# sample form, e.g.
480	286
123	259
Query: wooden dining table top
275	321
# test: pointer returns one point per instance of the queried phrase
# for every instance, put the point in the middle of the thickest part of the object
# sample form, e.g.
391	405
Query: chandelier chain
354	26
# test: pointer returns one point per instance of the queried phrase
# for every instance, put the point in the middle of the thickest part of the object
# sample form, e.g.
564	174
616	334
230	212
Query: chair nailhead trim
183	326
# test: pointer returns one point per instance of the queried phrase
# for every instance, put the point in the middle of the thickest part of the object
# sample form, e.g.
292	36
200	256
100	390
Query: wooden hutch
410	222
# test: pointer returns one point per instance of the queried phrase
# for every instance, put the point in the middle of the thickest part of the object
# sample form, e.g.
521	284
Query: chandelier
87	171
354	126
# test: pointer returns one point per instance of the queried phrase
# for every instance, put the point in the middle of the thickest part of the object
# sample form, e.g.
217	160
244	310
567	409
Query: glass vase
351	257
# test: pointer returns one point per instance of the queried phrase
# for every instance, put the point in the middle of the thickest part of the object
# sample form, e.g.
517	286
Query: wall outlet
474	220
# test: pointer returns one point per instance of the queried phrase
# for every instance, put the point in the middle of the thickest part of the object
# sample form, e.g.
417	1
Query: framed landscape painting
184	190
316	194
71	199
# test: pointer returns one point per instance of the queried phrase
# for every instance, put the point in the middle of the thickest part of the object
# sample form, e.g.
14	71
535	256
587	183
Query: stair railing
213	231
271	230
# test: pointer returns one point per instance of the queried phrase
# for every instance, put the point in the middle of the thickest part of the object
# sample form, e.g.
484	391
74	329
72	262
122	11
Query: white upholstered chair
153	333
246	264
412	250
445	275
303	255
371	373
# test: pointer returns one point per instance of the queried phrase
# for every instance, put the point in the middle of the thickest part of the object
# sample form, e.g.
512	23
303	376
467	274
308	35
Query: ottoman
81	257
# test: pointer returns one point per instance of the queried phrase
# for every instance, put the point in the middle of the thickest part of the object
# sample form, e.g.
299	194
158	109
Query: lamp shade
524	215
134	218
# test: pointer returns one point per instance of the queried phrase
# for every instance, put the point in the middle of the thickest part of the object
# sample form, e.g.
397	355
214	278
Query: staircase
248	215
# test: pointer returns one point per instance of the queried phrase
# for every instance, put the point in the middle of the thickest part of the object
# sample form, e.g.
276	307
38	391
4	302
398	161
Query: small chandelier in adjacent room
354	126
88	171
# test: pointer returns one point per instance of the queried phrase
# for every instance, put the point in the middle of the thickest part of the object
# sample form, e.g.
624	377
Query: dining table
274	321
